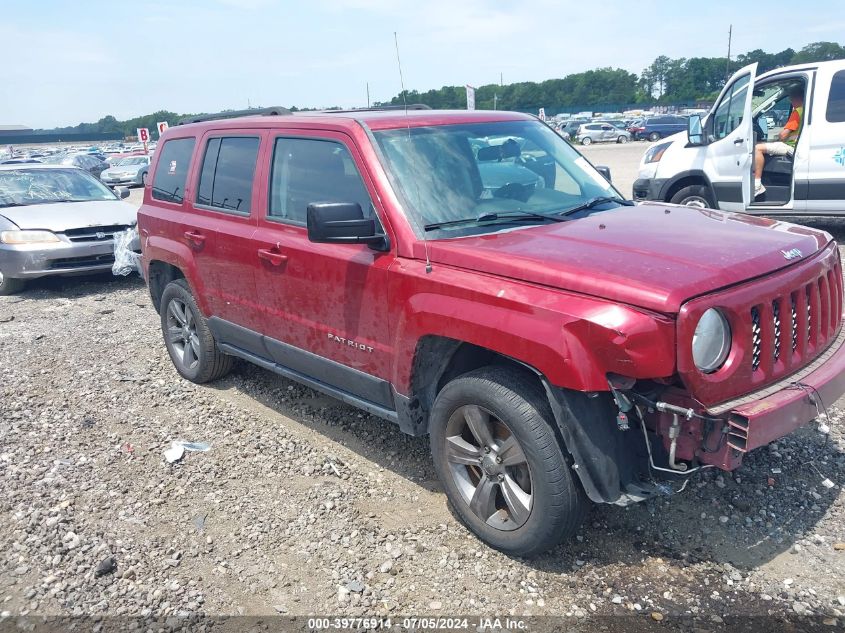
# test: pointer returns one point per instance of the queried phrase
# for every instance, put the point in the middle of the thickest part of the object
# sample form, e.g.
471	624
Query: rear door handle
195	237
739	141
272	255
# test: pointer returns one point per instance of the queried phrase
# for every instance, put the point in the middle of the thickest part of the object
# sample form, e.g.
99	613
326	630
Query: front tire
10	286
189	341
697	196
504	471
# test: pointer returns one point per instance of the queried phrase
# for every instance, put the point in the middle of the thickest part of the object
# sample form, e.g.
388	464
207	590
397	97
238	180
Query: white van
711	164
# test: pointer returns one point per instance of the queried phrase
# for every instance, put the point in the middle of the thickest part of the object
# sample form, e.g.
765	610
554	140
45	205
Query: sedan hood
129	169
58	217
653	255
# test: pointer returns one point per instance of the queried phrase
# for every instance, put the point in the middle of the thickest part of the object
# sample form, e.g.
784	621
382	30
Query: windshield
22	187
133	160
452	173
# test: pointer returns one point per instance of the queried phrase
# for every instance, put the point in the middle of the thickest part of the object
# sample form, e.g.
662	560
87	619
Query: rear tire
697	196
189	341
10	286
654	136
622	139
586	140
519	497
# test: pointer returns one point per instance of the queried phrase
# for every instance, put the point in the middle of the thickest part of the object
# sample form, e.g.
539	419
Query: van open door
729	135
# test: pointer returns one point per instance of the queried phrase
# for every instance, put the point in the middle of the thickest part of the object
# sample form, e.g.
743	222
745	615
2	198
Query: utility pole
501	82
728	65
368	94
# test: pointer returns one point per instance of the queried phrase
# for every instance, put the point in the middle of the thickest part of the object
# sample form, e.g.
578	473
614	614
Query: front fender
573	340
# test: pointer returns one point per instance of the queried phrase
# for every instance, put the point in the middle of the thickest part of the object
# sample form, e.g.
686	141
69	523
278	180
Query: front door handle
195	237
739	141
272	255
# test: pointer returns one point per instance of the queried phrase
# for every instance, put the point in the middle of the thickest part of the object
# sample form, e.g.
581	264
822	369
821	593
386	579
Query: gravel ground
304	505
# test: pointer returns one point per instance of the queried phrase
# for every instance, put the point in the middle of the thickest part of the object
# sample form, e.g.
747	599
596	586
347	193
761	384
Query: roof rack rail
232	114
411	106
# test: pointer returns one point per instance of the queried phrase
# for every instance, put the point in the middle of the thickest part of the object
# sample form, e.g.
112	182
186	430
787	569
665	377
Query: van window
172	169
728	114
836	101
227	173
312	170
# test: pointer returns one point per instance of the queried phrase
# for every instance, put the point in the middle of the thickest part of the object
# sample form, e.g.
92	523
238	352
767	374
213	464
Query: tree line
664	81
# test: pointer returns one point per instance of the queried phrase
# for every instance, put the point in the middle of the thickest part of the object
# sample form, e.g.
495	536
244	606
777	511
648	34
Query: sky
67	61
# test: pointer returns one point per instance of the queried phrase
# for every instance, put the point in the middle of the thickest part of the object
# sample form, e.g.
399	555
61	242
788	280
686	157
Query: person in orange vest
788	137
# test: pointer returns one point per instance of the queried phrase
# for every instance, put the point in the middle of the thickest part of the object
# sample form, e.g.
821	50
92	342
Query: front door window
729	113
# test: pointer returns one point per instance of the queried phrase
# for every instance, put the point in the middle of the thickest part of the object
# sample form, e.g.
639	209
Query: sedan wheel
586	140
622	139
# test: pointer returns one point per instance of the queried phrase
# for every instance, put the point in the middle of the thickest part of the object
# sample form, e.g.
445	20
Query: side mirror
695	130
604	170
342	223
122	192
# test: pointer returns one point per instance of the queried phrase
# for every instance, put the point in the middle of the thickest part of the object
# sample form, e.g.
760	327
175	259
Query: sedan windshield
23	187
132	160
476	178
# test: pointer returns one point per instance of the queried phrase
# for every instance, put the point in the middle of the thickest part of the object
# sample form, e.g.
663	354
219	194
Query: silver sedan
130	170
56	220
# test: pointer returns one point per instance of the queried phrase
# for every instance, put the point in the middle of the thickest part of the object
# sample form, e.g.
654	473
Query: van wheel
622	139
10	286
189	341
586	140
694	196
504	471
654	136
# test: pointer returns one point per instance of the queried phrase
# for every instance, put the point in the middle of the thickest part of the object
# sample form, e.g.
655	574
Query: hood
71	215
127	169
653	255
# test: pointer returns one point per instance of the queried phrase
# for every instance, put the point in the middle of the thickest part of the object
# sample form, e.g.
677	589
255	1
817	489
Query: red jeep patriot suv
469	275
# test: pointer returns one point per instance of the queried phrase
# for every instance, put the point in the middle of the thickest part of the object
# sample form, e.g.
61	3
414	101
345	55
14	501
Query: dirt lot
303	505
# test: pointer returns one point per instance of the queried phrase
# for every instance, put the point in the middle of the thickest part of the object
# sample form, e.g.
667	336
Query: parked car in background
129	170
601	133
570	128
56	220
92	165
18	161
656	127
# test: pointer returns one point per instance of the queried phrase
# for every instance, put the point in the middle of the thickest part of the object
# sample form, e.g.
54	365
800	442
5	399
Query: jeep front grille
815	313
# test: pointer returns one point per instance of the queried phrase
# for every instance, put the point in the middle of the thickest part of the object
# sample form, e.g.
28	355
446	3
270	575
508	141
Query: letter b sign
143	135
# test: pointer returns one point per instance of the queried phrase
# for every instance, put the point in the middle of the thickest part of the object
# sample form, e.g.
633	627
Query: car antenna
408	123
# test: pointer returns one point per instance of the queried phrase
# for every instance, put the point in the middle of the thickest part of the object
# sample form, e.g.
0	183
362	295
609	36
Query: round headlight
711	341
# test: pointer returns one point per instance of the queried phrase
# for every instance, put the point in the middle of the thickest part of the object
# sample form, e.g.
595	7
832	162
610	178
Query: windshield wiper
594	202
496	218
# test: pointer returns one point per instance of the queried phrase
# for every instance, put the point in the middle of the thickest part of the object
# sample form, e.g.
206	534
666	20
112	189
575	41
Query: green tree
819	52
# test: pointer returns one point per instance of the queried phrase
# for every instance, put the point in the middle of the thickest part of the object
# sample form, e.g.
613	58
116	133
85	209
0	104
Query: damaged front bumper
720	435
29	261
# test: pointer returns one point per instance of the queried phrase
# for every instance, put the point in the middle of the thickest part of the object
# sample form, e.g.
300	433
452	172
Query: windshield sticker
172	169
839	157
596	176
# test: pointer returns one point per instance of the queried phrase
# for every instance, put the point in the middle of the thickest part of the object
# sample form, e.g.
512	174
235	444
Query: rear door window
226	178
836	101
172	170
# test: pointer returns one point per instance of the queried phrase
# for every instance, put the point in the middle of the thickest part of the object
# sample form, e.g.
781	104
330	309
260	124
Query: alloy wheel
181	333
489	468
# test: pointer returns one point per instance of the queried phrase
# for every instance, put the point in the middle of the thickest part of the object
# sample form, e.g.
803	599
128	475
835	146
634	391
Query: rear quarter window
836	100
172	169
